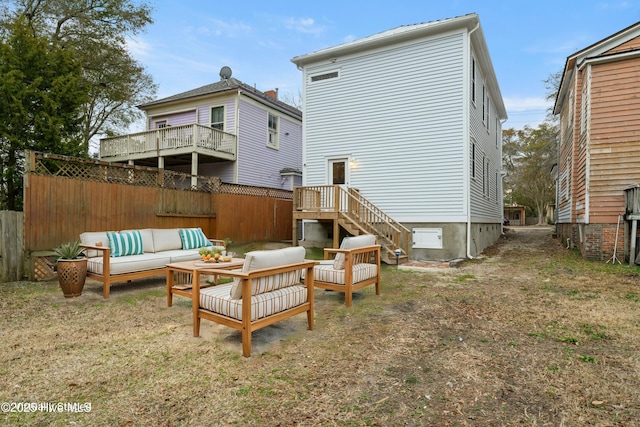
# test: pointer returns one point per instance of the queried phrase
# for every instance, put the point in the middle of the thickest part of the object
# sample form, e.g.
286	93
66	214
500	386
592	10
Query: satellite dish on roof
225	73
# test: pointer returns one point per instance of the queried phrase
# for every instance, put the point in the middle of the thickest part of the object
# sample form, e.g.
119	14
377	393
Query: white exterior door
338	170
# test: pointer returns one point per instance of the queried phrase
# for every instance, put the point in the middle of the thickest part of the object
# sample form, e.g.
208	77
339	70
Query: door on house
339	175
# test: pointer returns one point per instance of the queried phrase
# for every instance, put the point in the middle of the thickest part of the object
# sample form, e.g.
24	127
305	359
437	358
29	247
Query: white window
273	131
473	159
473	80
484	106
217	118
161	124
586	104
329	75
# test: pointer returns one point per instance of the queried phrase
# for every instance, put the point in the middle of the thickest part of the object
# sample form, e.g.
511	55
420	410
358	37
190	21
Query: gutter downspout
467	125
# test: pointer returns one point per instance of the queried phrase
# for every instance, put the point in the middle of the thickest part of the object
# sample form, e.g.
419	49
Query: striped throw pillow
193	238
125	243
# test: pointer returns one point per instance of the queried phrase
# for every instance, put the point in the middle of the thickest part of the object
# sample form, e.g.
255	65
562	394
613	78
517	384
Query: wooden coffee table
195	269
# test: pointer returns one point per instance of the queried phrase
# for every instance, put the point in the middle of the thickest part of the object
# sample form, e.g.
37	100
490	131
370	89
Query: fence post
12	248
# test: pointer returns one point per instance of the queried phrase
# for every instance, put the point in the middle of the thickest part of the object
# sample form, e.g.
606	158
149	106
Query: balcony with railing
174	143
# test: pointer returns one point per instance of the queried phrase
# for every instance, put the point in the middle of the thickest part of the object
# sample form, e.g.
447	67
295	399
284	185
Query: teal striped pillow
125	243
193	238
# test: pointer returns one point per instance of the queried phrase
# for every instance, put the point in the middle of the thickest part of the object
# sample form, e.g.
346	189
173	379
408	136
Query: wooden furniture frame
195	269
246	325
364	254
107	278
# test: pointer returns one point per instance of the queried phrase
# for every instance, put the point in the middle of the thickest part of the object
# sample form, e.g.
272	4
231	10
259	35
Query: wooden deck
347	208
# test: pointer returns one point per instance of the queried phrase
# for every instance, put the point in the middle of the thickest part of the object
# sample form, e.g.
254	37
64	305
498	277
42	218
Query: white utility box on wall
427	238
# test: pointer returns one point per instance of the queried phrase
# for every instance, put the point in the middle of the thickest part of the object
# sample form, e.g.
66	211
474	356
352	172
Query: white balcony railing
158	142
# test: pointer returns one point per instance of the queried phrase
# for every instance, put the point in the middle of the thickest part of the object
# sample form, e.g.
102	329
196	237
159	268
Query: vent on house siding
326	76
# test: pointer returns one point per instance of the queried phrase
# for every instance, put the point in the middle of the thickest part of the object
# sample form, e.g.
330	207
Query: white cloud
139	48
303	25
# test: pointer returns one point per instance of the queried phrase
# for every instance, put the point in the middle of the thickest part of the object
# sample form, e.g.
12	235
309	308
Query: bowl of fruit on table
212	255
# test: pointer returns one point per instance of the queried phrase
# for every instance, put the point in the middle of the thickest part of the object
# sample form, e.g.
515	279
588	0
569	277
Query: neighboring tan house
402	139
599	153
226	129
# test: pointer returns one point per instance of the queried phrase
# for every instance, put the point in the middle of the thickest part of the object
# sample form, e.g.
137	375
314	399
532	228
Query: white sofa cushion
256	260
328	274
218	300
94	238
352	243
147	239
125	243
128	264
179	255
166	239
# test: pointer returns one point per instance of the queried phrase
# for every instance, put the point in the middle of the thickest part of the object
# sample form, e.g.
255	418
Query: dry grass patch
542	339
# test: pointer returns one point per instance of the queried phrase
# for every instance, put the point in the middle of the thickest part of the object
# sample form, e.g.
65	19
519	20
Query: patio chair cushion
218	300
128	264
352	243
193	238
125	243
360	272
256	260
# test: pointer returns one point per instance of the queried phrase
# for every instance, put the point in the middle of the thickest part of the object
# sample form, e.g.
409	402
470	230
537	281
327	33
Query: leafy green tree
98	30
41	95
529	156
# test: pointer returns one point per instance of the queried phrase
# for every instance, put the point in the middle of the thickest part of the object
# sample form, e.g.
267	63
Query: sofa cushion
166	239
94	238
179	255
128	264
328	274
125	243
193	238
352	243
256	260
218	300
147	239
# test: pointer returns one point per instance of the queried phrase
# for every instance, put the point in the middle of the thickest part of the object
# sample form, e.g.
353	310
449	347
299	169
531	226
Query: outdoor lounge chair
266	290
355	266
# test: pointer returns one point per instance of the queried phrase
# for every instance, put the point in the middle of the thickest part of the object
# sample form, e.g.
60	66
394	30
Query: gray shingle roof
231	84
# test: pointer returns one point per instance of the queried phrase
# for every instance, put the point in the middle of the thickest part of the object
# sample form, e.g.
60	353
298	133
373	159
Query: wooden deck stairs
349	210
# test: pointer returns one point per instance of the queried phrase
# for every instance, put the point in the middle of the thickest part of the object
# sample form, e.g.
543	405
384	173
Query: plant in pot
72	268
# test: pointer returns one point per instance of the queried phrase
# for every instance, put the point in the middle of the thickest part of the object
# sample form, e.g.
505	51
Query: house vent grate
326	76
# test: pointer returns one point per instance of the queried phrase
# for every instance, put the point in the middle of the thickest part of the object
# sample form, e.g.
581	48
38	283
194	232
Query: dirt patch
527	334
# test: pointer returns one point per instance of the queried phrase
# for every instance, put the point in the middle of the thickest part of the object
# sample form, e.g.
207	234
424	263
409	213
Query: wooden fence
11	246
67	196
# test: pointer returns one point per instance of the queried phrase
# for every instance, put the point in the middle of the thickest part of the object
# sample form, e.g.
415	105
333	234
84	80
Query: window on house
473	159
584	114
161	124
488	112
473	80
484	112
484	177
325	76
497	177
217	118
273	131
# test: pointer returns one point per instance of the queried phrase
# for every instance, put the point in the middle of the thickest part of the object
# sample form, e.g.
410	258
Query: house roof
470	22
599	49
229	85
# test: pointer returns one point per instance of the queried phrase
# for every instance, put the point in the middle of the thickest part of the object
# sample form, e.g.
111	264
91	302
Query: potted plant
71	267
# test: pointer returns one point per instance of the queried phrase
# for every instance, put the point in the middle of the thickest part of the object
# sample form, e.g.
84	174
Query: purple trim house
226	129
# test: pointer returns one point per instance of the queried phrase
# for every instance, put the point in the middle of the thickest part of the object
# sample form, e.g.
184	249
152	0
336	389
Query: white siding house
414	116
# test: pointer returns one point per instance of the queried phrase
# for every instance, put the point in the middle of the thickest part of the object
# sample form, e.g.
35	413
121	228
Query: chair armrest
97	248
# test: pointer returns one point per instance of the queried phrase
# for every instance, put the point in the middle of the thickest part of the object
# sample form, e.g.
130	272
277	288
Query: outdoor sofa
134	254
266	290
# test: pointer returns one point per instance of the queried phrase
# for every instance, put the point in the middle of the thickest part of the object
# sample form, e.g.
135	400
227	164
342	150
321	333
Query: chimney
273	94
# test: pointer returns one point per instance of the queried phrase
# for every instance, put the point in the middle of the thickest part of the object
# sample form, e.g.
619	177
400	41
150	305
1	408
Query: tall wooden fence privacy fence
66	196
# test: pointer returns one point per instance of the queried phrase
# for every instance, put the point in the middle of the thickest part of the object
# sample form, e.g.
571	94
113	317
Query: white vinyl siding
399	110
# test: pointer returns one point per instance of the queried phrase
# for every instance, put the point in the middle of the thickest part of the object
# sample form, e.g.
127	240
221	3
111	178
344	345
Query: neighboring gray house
226	129
411	118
